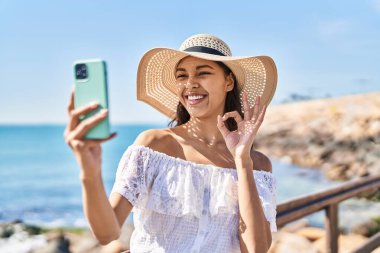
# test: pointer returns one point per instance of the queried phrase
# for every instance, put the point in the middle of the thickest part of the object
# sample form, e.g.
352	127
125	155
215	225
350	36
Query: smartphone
91	85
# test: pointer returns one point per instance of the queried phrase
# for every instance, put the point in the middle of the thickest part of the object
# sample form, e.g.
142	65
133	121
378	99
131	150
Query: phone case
93	88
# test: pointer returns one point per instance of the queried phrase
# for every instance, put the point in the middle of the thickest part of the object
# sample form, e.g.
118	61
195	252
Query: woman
198	186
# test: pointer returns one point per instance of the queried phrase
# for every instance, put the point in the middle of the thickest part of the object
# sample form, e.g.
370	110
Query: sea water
39	176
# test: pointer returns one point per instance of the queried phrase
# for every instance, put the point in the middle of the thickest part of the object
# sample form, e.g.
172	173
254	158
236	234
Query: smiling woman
232	100
198	186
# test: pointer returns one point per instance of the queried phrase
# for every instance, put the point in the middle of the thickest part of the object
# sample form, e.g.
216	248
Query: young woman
198	186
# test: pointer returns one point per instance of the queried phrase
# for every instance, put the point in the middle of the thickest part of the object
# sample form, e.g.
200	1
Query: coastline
340	136
20	237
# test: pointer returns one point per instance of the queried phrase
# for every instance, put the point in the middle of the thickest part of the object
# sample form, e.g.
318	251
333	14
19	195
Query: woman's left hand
240	141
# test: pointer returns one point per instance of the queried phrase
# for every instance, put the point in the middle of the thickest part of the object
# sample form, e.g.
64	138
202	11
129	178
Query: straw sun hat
156	84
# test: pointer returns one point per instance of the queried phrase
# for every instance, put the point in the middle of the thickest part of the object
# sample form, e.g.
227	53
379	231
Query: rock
286	159
357	170
311	233
337	172
363	229
87	243
33	230
6	231
83	243
368	228
113	247
343	132
295	226
286	242
346	243
60	244
374	127
17	226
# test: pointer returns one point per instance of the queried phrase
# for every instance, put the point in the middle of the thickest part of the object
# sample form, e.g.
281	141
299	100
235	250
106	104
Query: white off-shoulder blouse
182	206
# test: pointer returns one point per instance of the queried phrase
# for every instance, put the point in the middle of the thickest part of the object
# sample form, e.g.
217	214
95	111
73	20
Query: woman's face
202	86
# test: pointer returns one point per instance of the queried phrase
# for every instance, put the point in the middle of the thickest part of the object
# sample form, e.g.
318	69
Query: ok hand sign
240	141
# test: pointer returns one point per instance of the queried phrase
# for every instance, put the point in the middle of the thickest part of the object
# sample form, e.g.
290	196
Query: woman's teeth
195	99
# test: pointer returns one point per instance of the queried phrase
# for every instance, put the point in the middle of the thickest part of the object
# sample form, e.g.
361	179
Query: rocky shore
341	135
18	237
301	238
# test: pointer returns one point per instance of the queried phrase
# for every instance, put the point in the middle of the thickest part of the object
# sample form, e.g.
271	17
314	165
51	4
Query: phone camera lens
81	71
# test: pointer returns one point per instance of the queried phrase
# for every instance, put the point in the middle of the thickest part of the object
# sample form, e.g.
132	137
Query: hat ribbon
201	49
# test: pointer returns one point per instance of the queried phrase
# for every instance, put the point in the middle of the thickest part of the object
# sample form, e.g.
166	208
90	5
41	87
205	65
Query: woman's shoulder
161	140
261	161
167	141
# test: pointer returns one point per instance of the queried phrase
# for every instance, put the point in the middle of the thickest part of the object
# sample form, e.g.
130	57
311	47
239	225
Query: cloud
333	28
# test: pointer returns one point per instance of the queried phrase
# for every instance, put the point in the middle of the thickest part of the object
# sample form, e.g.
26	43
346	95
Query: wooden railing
328	200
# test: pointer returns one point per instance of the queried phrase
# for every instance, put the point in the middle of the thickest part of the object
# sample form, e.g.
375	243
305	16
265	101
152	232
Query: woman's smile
195	99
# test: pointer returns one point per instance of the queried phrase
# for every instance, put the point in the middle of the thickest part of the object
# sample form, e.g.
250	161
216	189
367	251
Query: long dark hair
232	104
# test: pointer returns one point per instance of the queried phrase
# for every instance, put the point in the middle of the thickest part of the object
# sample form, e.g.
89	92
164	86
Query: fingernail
103	111
94	104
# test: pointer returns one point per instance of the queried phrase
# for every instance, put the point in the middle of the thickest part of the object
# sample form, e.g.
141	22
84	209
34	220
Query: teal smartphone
91	85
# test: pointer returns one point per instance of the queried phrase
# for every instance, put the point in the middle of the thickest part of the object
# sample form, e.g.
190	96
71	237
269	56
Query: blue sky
321	48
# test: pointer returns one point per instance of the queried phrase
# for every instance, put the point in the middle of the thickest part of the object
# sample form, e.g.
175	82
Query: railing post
332	232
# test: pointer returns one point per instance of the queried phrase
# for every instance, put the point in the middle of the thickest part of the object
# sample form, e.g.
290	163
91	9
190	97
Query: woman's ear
230	82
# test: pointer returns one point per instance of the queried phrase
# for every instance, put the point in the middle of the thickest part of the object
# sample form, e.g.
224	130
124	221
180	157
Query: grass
374	227
73	230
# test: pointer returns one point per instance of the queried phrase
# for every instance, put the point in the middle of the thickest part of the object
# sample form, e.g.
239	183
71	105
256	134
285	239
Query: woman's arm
104	217
254	229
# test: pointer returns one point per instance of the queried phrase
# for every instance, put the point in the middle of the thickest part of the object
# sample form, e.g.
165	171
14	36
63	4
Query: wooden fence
328	200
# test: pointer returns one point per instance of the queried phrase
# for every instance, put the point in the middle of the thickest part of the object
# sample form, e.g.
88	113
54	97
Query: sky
321	48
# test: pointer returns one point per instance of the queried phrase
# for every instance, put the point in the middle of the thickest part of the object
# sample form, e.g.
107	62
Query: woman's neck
204	131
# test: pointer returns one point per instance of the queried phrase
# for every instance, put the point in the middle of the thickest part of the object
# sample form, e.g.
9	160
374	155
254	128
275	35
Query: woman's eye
180	76
204	73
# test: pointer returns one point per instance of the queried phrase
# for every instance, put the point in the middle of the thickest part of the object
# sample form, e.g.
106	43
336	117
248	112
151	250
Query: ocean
39	176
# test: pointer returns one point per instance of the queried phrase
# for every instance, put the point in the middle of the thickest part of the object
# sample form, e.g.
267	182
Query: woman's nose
191	83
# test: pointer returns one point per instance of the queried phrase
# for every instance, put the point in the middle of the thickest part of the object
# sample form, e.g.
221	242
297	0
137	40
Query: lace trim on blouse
170	185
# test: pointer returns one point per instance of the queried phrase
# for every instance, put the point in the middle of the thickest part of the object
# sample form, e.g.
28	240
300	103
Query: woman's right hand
87	152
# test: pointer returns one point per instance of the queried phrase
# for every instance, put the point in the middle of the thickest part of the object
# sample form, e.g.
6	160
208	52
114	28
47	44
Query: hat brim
156	84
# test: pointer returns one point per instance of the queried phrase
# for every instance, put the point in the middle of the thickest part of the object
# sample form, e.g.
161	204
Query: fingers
222	127
258	114
113	135
92	143
76	113
76	144
247	110
87	124
70	106
256	109
234	115
262	114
